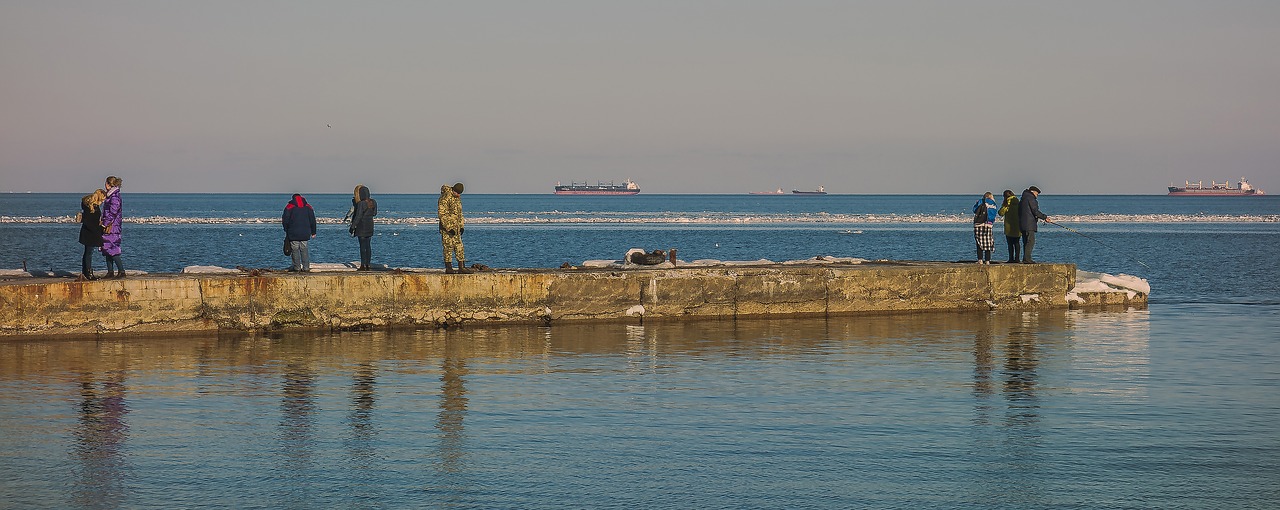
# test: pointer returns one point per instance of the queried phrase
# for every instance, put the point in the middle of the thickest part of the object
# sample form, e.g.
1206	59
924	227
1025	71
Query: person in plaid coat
984	216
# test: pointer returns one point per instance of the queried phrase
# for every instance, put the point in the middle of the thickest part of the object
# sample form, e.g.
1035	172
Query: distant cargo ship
626	188
820	191
1214	189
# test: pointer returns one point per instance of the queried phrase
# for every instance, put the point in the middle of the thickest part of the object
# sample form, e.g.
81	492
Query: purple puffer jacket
112	218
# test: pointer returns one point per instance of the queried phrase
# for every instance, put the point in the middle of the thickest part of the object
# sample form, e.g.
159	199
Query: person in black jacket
1028	214
90	229
363	211
299	222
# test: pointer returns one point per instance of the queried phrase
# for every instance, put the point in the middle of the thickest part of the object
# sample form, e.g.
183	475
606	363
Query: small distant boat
1214	189
599	188
847	232
779	192
820	191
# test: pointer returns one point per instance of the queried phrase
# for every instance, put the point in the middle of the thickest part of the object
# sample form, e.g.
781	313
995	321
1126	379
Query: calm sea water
1171	407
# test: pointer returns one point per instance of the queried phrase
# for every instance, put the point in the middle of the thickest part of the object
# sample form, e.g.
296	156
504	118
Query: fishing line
1082	234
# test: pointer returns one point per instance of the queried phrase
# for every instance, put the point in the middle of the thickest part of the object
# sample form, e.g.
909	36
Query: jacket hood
298	201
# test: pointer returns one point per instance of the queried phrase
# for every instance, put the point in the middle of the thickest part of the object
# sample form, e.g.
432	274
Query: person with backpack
984	216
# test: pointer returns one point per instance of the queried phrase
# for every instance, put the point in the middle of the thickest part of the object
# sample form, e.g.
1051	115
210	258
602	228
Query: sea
1171	406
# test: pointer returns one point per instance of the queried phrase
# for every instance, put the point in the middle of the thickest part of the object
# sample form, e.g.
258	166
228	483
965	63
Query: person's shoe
448	268
1029	262
462	267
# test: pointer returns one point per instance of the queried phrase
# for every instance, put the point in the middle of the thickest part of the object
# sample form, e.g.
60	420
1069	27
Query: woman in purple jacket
112	220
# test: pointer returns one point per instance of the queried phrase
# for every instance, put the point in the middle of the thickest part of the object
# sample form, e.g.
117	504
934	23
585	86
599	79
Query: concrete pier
351	300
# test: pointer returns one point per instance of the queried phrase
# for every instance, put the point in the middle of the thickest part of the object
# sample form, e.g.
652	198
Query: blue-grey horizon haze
683	97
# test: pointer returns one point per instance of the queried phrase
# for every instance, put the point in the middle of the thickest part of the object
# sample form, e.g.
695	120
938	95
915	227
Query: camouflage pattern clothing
449	211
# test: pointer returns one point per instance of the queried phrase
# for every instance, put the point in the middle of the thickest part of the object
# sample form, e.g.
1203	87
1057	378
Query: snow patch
1087	281
208	270
636	310
1030	297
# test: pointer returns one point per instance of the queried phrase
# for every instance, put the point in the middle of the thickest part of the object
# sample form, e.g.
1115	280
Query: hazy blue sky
689	96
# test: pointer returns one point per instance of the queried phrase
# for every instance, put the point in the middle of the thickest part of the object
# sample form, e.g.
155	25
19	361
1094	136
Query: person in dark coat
91	229
364	209
1012	229
1028	214
112	228
299	222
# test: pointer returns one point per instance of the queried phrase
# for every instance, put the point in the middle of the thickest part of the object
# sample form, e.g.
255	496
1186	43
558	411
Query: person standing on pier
361	227
112	221
1028	213
984	216
90	229
449	211
299	222
1012	232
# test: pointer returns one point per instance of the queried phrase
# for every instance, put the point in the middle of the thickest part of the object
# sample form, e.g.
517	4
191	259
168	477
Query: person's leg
1012	244
462	256
1028	244
86	262
306	257
446	243
295	256
366	252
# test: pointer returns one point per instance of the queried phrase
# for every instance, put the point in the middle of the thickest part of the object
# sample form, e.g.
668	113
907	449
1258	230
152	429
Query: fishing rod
1082	234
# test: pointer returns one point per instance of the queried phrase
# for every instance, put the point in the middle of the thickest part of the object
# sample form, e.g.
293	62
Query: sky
896	96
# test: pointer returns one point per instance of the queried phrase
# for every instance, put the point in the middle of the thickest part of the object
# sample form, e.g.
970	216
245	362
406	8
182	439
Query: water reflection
100	435
1020	376
296	428
364	398
441	417
453	408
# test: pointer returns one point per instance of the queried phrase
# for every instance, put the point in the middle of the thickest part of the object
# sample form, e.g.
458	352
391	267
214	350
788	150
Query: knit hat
1035	189
457	188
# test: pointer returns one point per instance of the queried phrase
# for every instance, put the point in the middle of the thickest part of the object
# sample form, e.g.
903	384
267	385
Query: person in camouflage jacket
449	211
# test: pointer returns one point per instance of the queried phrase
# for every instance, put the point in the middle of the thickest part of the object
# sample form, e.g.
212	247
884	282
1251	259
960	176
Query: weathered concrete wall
174	303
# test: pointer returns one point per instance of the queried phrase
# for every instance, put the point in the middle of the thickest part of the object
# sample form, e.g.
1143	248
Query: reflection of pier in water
365	406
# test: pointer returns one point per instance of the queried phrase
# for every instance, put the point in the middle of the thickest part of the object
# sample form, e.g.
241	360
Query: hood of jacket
297	201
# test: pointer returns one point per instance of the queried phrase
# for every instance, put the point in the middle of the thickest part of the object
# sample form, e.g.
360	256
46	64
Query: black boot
448	268
462	267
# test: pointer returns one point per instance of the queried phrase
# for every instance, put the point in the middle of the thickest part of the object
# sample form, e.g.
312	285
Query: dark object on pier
649	259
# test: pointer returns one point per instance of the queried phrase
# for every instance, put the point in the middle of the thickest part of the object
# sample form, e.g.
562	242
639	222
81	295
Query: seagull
327	125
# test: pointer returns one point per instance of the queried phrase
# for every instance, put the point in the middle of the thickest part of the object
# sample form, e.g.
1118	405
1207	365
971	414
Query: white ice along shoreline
1087	281
676	218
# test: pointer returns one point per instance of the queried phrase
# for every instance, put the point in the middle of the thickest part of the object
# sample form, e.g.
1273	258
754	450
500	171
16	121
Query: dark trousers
86	262
1014	247
366	251
114	260
1028	242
